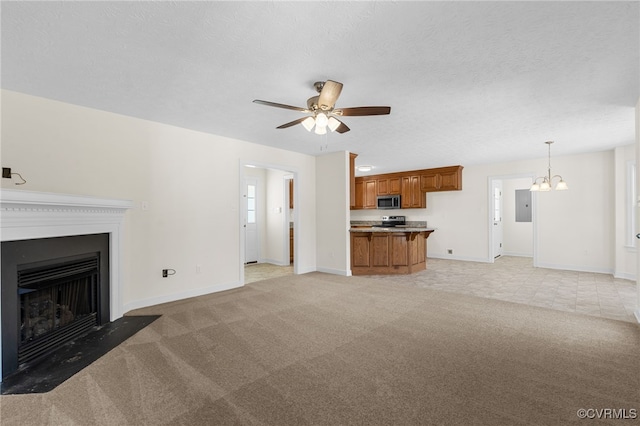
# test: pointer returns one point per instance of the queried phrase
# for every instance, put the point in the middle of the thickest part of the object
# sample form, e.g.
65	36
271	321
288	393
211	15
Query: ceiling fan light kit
308	123
322	107
547	180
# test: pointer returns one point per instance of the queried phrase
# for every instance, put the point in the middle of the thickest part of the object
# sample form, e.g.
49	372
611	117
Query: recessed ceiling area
467	82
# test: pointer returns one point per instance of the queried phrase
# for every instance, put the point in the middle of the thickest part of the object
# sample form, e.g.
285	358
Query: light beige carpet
329	350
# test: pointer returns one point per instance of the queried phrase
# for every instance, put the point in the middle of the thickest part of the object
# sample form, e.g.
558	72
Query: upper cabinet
352	179
411	186
441	179
370	194
388	186
412	197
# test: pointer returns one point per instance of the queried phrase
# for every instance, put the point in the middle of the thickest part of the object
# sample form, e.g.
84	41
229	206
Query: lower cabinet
290	245
388	252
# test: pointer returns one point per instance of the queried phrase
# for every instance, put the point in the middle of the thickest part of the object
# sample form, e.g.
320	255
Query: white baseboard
596	270
275	262
509	253
625	276
178	296
335	271
452	257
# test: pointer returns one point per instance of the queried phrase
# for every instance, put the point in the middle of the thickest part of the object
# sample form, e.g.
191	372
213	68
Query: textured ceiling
467	82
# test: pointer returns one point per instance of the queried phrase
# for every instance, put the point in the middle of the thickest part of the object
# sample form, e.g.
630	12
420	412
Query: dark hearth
49	372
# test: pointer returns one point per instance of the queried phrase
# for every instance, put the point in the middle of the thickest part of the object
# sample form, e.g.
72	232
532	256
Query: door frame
534	213
293	171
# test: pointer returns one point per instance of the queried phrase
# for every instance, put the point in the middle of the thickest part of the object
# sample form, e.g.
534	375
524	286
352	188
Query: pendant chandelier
546	183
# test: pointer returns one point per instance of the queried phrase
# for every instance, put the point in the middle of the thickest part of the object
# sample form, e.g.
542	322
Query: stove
391	221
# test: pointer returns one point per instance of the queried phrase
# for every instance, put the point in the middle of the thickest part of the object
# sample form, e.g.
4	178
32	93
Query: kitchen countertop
390	229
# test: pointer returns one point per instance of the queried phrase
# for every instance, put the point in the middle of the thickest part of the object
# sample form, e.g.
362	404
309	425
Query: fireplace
53	290
61	257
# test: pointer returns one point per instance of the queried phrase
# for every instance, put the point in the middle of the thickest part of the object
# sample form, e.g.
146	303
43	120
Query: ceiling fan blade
342	128
292	123
329	94
360	111
274	104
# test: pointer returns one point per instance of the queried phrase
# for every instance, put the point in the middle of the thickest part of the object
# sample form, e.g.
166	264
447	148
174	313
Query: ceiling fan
322	106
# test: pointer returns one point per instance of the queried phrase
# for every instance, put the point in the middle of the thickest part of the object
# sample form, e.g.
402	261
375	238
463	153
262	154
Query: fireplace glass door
57	303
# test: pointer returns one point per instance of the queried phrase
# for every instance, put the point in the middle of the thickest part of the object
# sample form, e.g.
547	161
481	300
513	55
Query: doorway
496	230
509	234
267	222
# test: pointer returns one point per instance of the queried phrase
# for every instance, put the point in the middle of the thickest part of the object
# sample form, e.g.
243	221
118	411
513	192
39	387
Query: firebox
58	302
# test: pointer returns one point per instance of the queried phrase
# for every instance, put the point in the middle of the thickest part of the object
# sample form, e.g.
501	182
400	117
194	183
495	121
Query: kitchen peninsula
379	249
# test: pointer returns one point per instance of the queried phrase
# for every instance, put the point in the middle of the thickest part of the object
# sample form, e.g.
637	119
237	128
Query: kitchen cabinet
388	186
411	186
352	179
441	179
370	195
290	245
394	252
412	196
365	193
290	193
358	194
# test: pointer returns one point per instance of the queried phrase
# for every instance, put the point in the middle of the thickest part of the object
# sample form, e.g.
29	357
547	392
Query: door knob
638	236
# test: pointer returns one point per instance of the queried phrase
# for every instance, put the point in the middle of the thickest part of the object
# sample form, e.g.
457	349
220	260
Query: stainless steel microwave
388	202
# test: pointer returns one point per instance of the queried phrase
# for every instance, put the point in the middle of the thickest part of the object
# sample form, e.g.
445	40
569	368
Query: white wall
190	180
637	312
332	183
625	250
517	237
276	221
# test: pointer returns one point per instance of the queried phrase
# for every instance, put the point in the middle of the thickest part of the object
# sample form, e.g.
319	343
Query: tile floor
512	279
263	271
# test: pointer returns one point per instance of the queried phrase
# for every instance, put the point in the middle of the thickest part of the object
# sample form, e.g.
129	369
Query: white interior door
496	190
251	221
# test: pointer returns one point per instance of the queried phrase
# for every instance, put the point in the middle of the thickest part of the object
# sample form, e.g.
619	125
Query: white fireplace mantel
26	215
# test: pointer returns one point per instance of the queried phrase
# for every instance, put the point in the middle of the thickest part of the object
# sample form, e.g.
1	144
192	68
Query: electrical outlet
6	172
165	273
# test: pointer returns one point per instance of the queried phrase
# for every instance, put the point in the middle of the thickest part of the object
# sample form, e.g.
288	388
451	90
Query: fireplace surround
29	215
